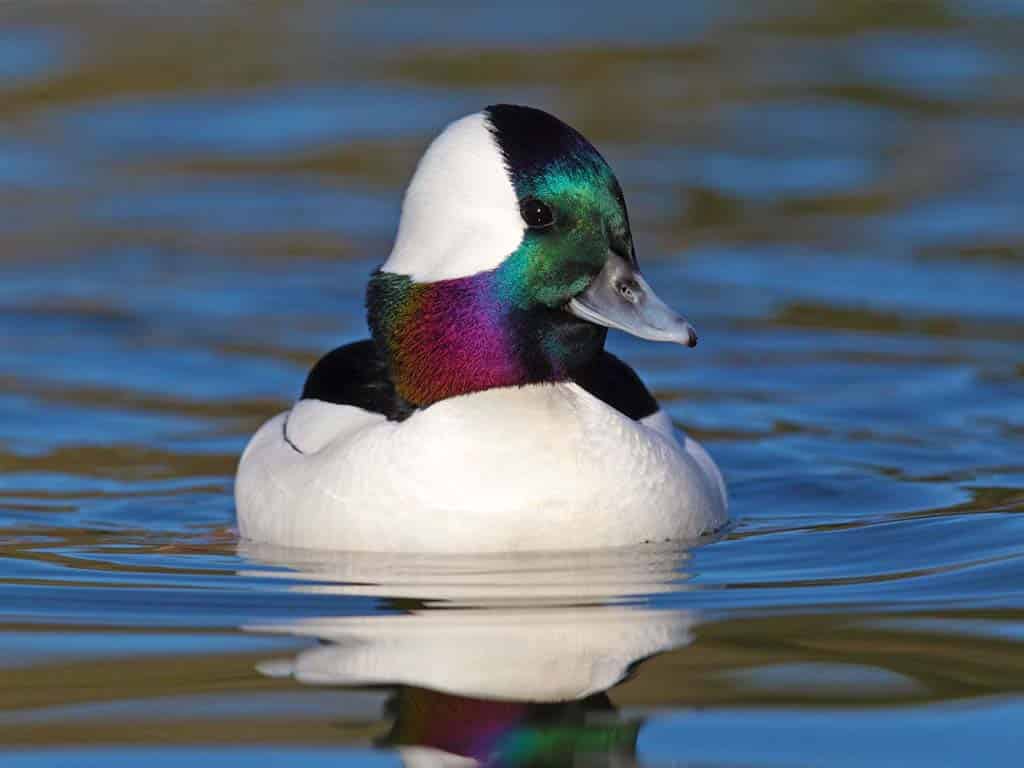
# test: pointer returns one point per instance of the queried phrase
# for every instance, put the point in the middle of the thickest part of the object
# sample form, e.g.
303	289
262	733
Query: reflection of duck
484	414
497	659
537	654
432	729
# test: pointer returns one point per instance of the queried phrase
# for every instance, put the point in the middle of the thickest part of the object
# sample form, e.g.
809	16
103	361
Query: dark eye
536	214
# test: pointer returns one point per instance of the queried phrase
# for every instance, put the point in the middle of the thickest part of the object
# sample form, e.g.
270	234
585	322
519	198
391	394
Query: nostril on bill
630	291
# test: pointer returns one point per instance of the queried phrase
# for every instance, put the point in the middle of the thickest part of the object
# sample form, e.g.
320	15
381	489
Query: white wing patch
312	424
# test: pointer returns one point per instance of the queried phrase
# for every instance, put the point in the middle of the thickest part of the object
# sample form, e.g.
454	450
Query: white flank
539	467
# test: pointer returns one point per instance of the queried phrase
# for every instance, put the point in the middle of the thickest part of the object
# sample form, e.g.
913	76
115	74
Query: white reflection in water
500	659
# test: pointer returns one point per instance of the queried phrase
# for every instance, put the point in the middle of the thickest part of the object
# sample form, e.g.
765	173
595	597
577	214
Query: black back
356	374
612	381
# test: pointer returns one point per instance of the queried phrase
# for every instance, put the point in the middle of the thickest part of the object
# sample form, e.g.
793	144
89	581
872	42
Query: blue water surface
191	199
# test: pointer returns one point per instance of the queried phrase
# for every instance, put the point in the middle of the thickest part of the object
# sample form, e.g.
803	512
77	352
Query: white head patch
460	214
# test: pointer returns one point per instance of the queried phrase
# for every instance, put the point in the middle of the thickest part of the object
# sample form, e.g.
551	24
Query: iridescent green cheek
549	272
554	264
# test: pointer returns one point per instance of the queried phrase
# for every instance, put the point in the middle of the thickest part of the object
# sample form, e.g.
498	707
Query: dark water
191	197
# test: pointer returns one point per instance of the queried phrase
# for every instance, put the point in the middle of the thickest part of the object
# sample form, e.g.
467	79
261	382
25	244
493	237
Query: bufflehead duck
484	413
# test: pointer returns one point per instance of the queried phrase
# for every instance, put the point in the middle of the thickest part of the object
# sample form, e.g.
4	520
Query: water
189	207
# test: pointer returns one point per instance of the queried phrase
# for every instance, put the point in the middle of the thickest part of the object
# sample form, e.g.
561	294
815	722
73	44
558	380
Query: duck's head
513	258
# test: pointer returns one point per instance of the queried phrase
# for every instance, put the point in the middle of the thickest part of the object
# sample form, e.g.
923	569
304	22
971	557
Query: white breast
528	468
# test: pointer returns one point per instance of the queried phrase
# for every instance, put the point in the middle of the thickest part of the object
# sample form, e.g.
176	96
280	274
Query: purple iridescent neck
469	334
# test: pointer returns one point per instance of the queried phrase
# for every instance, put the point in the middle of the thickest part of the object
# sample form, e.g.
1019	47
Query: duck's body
484	415
543	466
